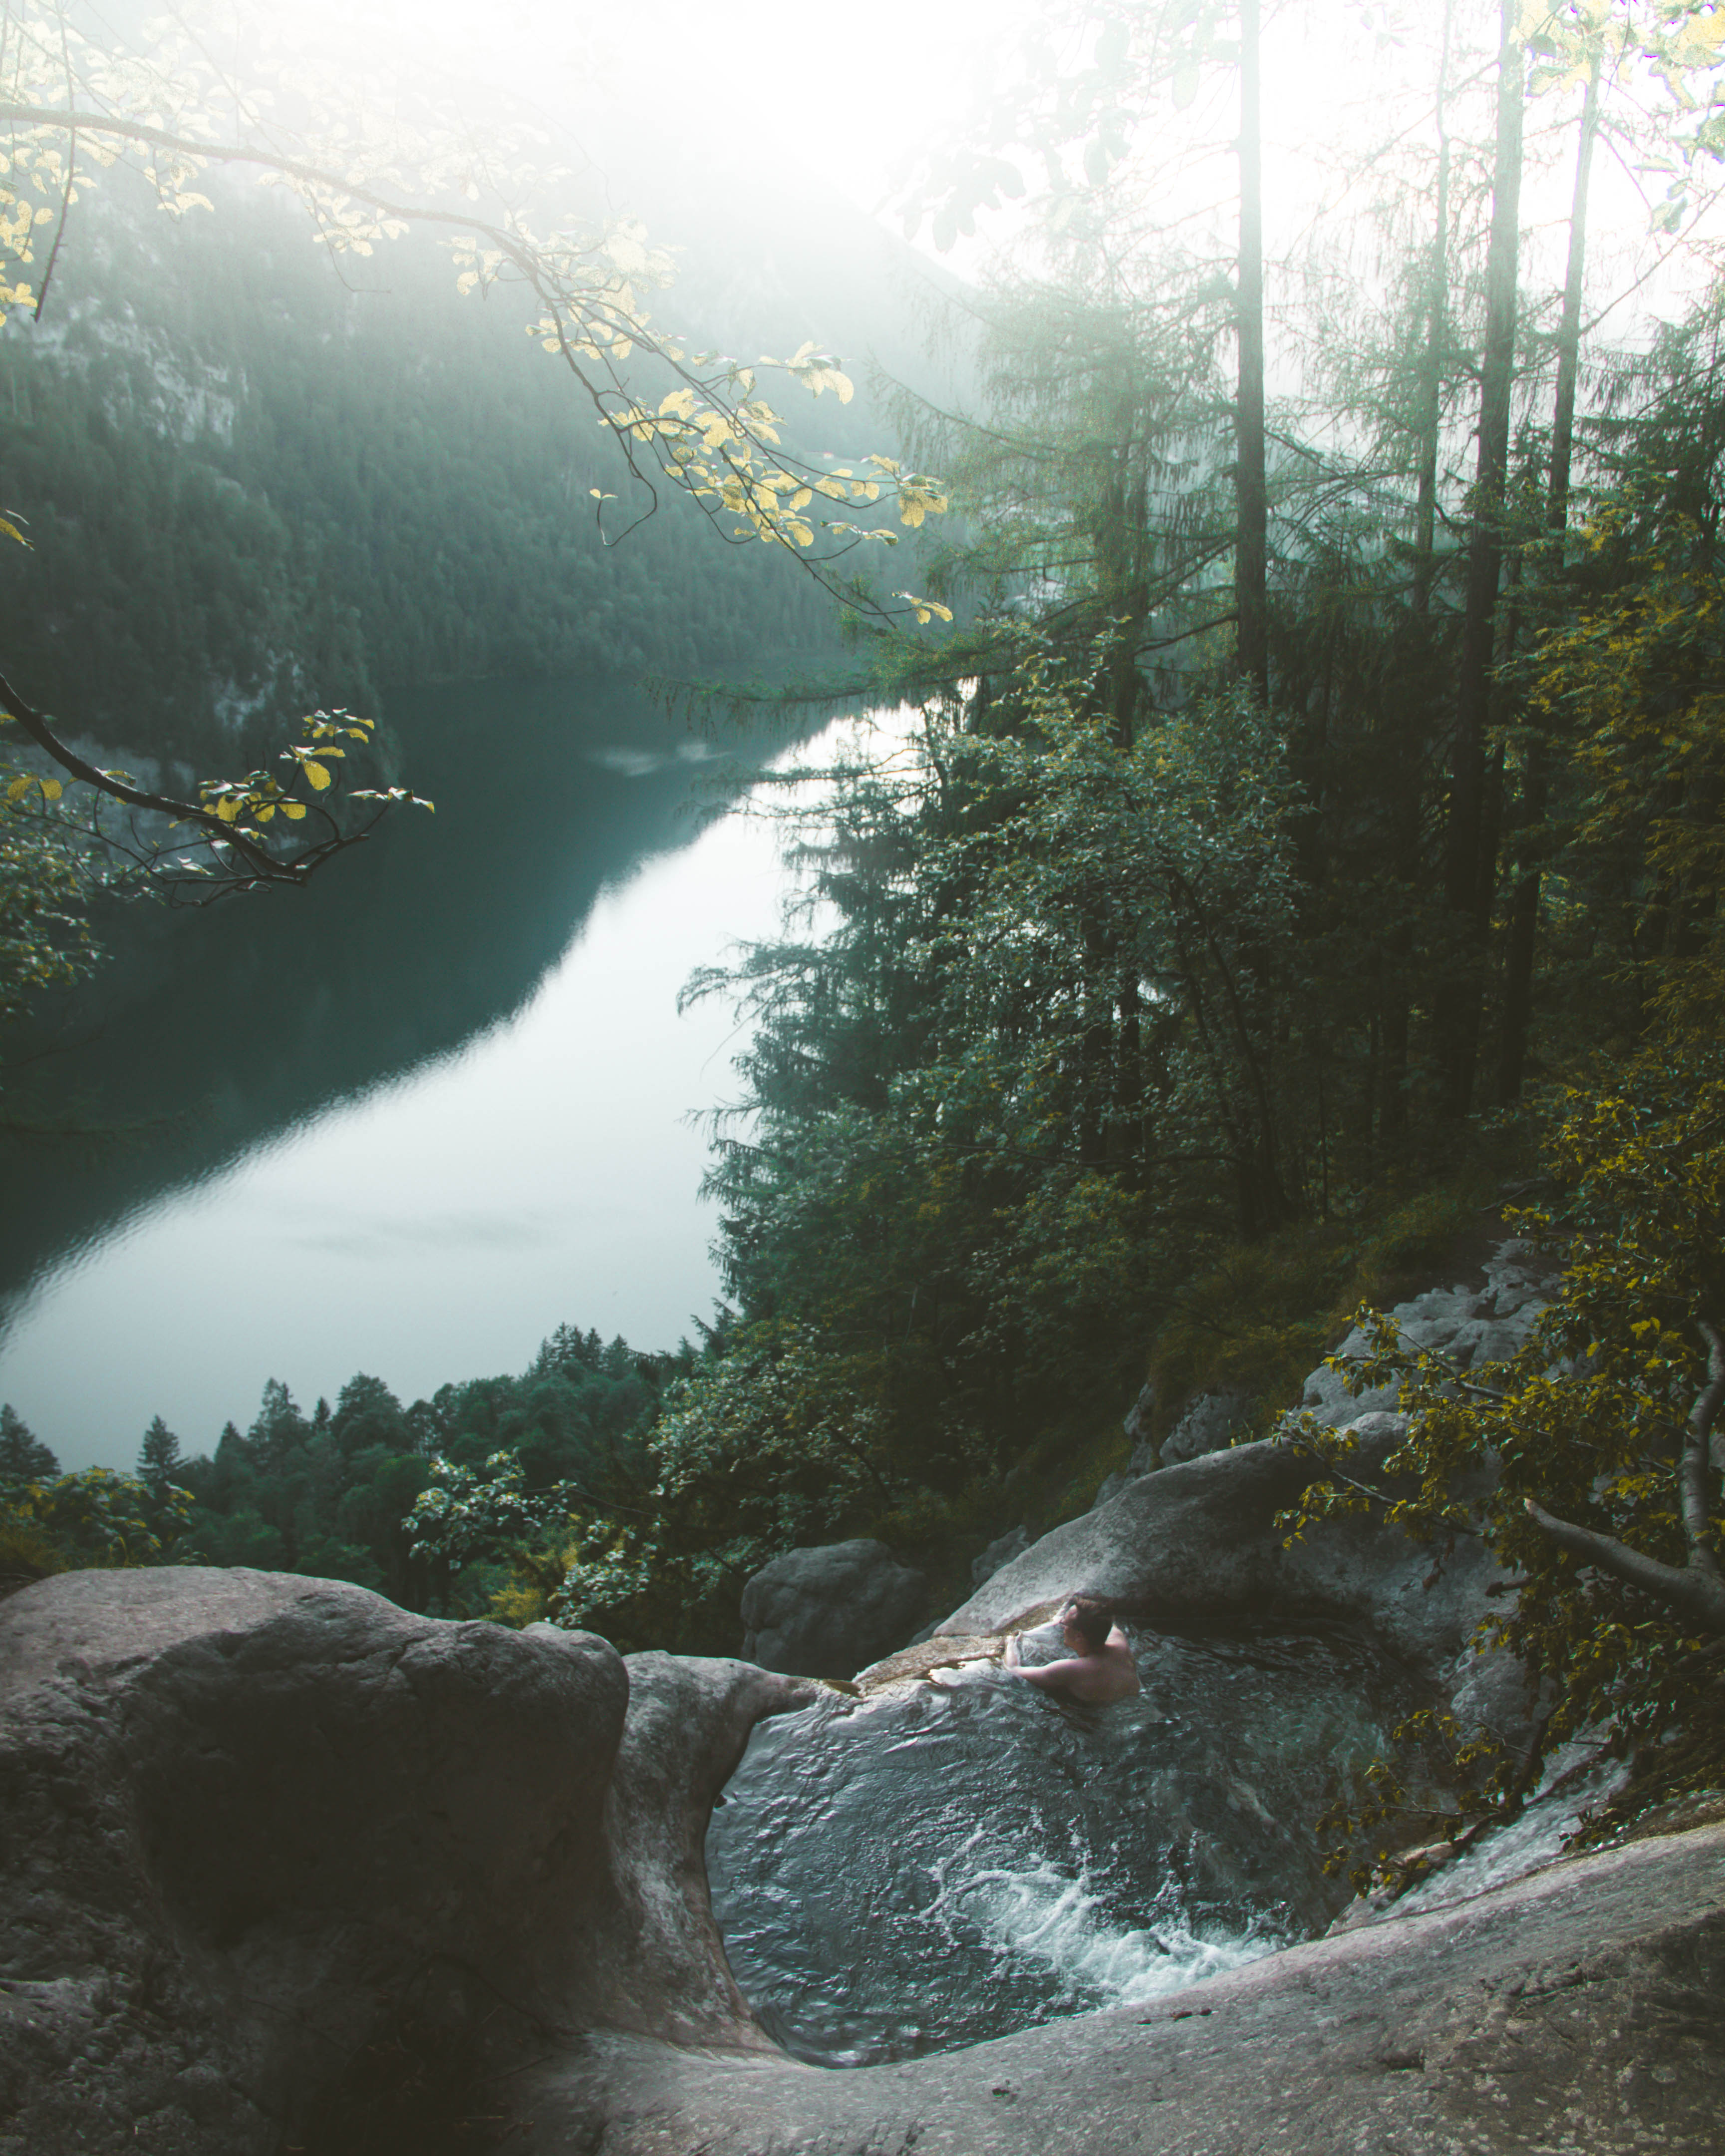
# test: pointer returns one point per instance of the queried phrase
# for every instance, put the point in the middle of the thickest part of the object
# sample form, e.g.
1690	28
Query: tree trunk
1465	868
1524	917
1437	338
1396	1002
1252	500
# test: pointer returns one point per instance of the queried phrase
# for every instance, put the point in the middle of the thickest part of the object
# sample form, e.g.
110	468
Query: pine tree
23	1455
158	1457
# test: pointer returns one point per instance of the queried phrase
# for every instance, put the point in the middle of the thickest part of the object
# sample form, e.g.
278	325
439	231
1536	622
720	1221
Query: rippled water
945	1865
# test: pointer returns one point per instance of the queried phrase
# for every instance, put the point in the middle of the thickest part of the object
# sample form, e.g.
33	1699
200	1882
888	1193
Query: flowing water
951	1862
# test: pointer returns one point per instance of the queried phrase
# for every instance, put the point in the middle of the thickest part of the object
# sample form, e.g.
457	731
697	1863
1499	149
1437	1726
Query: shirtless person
1100	1665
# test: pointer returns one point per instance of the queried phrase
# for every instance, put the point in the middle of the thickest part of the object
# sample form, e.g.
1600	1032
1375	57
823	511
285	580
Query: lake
408	1120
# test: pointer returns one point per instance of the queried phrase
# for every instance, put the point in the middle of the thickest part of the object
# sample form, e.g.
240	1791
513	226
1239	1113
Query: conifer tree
23	1456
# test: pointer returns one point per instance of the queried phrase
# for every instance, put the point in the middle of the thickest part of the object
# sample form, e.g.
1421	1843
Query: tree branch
1697	1595
254	864
1692	1469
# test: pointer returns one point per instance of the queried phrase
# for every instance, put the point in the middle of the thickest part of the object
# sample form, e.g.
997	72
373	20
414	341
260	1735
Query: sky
844	100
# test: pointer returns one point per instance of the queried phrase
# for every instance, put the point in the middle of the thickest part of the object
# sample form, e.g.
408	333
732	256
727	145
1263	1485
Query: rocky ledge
1572	2013
286	1868
289	1871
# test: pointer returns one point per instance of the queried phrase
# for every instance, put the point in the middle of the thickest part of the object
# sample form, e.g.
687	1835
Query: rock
1197	1546
1139	1425
921	1659
1113	1486
285	1865
1493	1691
1577	2011
827	1612
1208	1424
1472	1326
1002	1551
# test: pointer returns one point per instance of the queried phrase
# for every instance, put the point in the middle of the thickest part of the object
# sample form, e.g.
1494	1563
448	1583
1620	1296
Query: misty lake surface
408	1120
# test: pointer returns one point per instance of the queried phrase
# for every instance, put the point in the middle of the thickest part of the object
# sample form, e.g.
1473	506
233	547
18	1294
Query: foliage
423	1502
52	1522
47	880
508	222
1602	1502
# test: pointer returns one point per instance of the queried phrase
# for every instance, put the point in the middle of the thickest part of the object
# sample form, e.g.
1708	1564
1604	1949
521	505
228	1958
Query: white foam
1578	1778
1051	1915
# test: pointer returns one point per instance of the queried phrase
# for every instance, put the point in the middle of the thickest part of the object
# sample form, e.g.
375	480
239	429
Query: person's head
1085	1621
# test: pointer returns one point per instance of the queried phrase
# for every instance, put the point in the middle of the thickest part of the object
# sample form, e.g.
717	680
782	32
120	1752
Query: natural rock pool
953	1860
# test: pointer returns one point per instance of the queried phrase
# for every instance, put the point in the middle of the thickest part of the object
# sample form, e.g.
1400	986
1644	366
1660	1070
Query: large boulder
1001	1551
1199	1546
282	1866
830	1611
1470	1325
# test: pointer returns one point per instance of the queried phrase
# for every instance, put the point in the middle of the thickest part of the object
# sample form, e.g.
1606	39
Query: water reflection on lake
500	993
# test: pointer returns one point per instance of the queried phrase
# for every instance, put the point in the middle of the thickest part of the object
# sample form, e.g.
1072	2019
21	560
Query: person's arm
1050	1677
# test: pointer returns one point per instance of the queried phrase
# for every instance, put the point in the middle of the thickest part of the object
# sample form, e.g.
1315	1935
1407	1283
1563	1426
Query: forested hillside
1314	845
1307	840
254	484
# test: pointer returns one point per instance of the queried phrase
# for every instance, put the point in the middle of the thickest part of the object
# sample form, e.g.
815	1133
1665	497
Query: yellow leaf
316	773
12	531
293	810
681	401
925	608
18	788
51	789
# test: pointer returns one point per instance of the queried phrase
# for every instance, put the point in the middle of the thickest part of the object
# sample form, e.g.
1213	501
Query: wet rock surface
957	1858
1572	2013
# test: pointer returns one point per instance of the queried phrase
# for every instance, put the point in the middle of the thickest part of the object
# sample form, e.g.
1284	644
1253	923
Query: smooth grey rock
1001	1550
1197	1545
1208	1424
1112	1484
830	1611
1494	1690
1577	2013
283	1865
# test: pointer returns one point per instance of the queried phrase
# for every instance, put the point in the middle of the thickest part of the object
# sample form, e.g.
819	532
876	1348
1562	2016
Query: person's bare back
1100	1667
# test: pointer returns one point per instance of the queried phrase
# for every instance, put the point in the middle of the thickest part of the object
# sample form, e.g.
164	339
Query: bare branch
1692	1593
1692	1471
